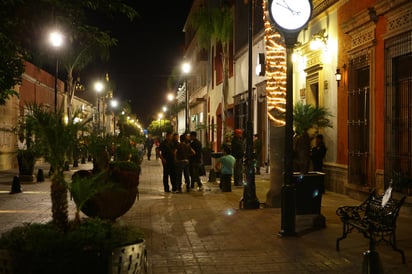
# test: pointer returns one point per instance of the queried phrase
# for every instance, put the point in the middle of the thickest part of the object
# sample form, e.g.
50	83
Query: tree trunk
276	100
70	93
277	166
59	200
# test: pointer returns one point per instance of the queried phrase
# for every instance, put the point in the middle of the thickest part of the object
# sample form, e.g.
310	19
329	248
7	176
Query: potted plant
111	188
64	246
308	120
27	151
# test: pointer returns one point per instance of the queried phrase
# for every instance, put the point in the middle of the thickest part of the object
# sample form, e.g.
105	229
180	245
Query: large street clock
290	16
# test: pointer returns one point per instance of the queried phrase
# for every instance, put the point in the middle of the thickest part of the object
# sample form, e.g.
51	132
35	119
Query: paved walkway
206	232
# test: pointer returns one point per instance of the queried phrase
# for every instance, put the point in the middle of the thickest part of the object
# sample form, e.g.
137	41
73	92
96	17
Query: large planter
125	259
116	200
309	190
26	161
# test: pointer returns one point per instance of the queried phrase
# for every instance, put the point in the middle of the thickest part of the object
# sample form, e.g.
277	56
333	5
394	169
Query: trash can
309	189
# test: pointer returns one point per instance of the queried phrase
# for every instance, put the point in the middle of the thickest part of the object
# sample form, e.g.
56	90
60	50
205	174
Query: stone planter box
126	259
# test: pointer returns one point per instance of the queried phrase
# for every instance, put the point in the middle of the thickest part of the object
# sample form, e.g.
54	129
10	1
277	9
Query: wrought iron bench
374	221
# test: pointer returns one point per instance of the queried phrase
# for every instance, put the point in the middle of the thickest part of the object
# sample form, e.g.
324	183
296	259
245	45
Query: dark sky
148	49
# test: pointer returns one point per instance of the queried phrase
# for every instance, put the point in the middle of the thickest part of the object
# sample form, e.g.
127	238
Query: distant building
37	87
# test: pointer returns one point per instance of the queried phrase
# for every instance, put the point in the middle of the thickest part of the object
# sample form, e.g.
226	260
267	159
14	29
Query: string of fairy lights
275	72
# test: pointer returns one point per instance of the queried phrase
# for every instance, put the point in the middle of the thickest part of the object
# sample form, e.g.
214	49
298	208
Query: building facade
37	87
352	58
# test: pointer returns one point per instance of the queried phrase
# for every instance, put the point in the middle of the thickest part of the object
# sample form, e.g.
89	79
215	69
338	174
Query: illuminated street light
186	68
56	41
98	87
160	116
170	97
114	104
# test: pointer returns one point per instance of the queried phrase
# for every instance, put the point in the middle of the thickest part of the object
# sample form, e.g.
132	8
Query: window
398	127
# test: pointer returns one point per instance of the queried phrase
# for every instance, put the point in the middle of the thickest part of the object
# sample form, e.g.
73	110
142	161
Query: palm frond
306	116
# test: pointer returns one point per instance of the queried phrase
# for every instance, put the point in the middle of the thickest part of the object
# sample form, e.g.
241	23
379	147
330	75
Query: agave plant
56	138
307	118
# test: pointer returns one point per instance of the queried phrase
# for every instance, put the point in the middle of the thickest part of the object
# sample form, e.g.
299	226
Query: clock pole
289	18
288	193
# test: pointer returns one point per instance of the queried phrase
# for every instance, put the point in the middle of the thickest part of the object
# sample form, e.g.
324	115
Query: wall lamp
338	76
319	40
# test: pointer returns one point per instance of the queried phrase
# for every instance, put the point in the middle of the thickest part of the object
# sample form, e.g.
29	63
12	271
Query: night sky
148	49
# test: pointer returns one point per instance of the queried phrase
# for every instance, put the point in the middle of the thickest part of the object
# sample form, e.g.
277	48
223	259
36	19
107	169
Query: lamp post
113	104
56	40
186	70
171	98
160	116
98	87
250	200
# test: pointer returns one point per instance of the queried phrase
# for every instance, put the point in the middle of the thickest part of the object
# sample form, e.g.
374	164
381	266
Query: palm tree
276	100
56	138
306	118
215	25
88	44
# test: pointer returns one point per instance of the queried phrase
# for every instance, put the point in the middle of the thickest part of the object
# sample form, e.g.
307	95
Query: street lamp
98	87
250	200
160	116
186	68
171	98
56	40
114	104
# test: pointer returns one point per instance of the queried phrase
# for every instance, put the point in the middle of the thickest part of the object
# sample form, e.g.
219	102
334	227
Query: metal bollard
40	175
15	186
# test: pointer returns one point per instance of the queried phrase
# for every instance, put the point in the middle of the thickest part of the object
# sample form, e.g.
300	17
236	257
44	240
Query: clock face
290	15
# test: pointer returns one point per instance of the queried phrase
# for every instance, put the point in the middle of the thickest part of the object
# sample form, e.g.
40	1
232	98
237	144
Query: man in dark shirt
195	160
166	154
237	152
183	152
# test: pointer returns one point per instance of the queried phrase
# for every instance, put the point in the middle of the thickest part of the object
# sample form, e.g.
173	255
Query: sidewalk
206	232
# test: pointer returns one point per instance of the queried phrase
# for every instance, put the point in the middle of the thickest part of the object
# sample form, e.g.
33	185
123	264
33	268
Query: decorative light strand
275	72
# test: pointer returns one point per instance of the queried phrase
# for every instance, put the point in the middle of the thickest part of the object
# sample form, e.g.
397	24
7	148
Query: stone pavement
206	232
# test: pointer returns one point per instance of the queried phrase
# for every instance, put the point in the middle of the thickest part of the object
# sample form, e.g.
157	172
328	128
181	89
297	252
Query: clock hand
286	6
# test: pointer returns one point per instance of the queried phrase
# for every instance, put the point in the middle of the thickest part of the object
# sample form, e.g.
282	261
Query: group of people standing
181	157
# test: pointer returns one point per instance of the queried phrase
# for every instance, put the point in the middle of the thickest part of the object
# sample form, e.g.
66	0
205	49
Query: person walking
149	146
257	150
183	152
238	153
166	154
227	162
195	160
